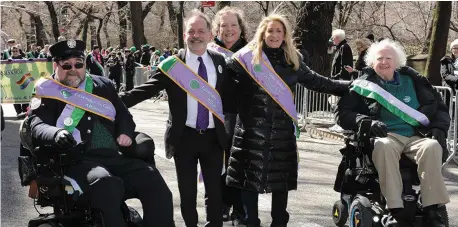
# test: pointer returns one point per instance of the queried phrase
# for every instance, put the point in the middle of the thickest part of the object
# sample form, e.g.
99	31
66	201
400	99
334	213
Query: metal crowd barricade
451	101
313	107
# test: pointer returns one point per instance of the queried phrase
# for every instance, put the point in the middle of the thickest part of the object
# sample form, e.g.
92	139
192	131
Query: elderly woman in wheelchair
401	124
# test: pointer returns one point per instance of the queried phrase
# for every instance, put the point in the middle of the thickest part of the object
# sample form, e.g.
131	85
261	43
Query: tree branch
453	26
294	5
147	9
89	15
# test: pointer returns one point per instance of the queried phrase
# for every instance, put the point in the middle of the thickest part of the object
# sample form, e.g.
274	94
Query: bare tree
264	5
345	9
172	17
222	4
138	33
314	27
180	17
438	44
122	14
54	21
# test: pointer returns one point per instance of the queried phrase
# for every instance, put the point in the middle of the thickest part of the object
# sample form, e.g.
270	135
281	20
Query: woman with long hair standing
264	156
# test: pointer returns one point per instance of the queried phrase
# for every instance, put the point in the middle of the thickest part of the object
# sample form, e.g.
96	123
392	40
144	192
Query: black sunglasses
77	65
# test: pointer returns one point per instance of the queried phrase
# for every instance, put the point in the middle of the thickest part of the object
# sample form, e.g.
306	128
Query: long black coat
342	57
264	152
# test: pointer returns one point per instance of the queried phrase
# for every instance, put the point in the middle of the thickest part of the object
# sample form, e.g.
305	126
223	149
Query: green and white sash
391	103
79	100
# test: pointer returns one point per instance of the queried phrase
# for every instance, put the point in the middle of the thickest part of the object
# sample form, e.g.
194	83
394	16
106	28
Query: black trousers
21	108
280	216
130	80
232	197
107	181
204	148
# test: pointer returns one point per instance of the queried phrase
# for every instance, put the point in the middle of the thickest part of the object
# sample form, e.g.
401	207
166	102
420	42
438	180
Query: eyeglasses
77	65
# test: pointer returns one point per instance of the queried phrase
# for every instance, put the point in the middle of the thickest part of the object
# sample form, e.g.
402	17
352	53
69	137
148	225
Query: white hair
454	43
375	48
339	33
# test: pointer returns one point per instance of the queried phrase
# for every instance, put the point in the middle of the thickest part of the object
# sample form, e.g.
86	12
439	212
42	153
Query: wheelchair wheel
360	216
340	213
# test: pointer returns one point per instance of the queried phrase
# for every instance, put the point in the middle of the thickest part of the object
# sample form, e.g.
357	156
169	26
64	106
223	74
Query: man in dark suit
185	137
62	116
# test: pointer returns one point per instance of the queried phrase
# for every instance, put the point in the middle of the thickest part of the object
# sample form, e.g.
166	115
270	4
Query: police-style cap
67	49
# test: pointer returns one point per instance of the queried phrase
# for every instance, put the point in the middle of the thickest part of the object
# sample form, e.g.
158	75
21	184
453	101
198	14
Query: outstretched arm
314	81
149	89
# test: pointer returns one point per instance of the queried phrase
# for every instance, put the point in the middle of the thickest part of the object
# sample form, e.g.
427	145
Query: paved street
309	206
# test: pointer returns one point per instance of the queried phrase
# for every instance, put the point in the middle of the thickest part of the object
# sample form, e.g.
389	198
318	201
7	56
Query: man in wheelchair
73	107
408	117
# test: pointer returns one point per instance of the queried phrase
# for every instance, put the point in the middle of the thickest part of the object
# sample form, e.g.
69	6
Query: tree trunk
86	26
180	26
314	27
428	36
221	4
54	21
438	44
172	18
39	30
137	24
99	28
105	32
122	13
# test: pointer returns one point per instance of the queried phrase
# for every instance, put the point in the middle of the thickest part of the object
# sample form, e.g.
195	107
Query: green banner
18	78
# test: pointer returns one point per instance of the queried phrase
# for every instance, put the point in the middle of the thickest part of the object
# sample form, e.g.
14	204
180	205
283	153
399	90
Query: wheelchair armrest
143	148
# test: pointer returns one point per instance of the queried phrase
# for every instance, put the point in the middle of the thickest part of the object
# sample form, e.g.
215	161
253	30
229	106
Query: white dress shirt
193	64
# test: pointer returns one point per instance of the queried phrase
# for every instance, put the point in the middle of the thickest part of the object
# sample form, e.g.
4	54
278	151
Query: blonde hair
291	55
365	43
375	48
230	10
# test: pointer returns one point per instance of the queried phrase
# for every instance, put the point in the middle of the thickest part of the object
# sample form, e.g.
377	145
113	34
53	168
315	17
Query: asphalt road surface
309	206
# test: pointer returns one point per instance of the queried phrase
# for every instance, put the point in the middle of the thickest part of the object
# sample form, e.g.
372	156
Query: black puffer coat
264	152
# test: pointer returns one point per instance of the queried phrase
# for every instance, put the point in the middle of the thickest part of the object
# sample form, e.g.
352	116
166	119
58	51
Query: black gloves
64	139
379	129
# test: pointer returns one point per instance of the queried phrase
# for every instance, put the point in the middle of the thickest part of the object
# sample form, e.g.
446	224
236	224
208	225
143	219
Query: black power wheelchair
361	201
43	170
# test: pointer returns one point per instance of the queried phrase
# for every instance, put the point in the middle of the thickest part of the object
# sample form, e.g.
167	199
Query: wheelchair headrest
25	134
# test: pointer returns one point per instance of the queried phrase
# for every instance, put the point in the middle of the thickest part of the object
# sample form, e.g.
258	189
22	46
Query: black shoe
434	217
239	223
396	219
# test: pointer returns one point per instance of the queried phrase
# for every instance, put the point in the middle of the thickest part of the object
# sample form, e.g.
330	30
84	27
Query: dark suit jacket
177	99
44	118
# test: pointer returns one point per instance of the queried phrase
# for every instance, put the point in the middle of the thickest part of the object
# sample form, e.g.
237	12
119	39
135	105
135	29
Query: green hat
110	48
157	52
133	49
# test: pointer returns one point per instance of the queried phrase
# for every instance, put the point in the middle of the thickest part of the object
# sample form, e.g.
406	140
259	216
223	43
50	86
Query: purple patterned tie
202	112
